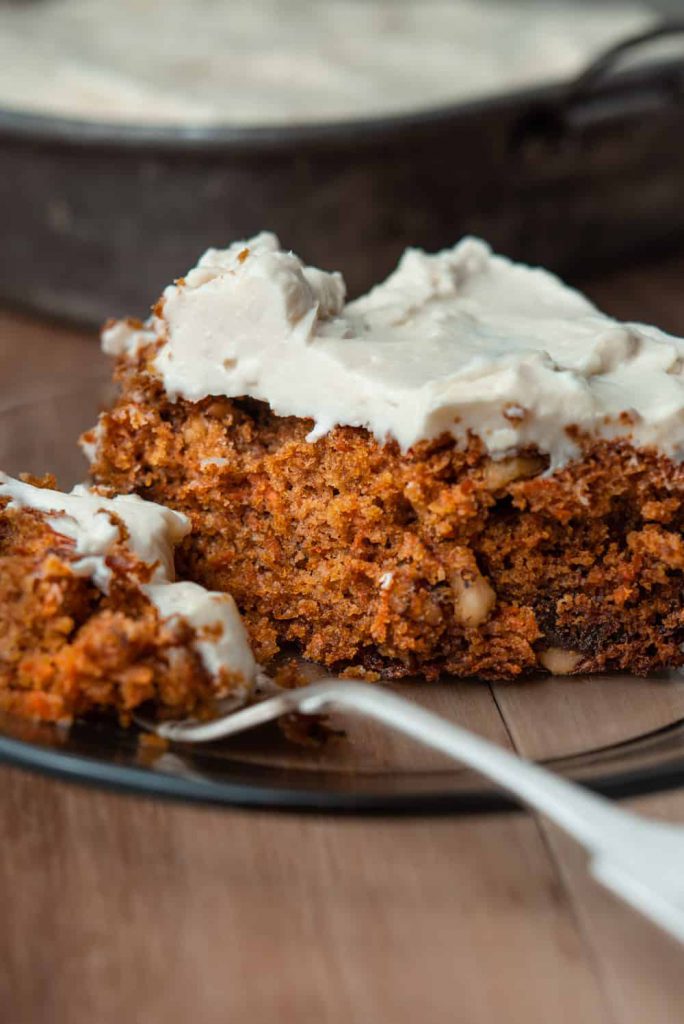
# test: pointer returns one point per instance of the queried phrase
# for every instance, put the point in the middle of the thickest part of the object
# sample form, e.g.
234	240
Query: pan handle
552	123
610	59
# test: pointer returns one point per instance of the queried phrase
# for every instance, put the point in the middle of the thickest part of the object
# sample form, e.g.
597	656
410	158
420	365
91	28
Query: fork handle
592	820
639	860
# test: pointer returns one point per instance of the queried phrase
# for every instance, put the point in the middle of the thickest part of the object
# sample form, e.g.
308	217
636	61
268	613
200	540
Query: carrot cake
469	470
91	616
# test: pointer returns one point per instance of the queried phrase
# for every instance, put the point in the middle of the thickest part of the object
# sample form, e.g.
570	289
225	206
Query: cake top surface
463	341
152	533
285	61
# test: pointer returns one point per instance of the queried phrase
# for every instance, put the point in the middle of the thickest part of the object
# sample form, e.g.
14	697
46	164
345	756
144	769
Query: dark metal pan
95	219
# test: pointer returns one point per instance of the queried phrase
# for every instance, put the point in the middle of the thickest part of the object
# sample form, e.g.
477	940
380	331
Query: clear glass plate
619	735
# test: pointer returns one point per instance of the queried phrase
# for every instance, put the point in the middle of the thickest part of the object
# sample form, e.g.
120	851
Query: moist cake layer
436	560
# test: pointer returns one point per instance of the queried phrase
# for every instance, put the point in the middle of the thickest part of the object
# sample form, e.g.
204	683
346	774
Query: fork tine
229	724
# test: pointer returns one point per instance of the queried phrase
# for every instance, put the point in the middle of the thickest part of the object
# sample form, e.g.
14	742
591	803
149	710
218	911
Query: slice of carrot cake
469	470
91	617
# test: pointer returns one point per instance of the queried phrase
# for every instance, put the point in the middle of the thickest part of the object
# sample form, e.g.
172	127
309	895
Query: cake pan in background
97	218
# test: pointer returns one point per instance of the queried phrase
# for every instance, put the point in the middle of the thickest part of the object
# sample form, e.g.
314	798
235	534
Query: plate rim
142	781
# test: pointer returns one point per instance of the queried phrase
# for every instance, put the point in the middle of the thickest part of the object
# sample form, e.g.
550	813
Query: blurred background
213	62
134	134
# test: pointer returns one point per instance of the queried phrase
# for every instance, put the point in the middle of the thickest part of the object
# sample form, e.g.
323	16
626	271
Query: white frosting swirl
463	341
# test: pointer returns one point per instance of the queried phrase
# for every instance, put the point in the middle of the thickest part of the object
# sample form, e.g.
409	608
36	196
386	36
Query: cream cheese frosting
86	518
221	637
463	342
153	531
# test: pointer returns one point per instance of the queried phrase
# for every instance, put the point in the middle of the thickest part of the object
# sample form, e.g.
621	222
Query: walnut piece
560	662
473	596
519	467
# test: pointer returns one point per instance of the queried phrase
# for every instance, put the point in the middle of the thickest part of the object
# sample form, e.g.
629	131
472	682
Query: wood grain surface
122	909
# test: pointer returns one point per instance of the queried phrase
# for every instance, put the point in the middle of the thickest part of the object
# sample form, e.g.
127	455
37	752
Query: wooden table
121	909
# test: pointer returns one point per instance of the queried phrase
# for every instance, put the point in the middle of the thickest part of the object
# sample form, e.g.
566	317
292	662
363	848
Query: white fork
641	861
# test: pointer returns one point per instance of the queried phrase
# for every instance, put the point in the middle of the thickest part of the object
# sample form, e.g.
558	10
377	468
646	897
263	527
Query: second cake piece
91	617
